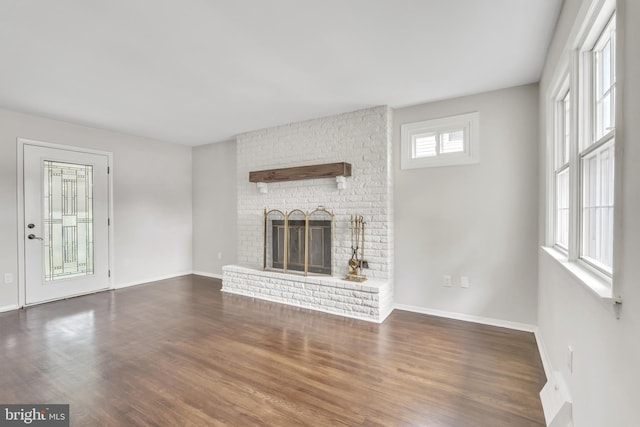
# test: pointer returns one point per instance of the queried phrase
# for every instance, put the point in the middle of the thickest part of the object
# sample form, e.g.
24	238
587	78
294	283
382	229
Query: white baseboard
544	356
151	279
469	318
205	274
8	308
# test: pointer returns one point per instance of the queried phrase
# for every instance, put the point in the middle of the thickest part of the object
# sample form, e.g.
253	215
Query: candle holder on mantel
357	261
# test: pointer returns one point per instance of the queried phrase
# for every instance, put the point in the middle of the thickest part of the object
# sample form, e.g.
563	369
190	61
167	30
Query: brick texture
370	300
362	138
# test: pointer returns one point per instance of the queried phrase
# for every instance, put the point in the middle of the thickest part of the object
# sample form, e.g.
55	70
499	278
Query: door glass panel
67	220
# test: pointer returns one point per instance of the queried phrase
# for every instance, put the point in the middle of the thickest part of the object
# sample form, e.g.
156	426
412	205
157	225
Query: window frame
469	123
589	142
559	124
577	67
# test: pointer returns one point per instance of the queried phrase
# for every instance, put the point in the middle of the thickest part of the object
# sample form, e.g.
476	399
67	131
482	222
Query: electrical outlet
219	255
8	278
570	359
464	281
446	280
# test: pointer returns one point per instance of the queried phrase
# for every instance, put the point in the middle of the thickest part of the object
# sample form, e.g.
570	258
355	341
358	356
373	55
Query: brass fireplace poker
357	261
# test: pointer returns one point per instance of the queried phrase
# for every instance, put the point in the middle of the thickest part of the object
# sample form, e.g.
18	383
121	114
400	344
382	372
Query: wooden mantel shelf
328	170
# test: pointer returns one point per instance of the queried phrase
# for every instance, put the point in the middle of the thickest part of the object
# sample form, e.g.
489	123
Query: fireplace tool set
357	261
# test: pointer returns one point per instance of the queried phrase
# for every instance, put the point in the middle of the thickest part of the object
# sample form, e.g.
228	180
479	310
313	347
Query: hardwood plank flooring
180	352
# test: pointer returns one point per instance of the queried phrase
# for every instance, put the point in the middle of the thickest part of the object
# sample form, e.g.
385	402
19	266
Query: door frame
21	142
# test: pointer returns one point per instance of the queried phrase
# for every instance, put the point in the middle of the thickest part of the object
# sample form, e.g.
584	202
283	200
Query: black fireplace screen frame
290	241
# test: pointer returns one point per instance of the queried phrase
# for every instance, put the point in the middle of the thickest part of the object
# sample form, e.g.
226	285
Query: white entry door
66	232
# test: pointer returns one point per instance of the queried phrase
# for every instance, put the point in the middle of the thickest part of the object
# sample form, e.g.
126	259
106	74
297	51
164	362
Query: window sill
596	284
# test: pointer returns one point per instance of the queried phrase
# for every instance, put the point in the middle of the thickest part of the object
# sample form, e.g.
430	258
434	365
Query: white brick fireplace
362	138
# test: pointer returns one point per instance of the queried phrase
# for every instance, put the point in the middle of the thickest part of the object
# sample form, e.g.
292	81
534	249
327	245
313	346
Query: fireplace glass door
319	246
296	242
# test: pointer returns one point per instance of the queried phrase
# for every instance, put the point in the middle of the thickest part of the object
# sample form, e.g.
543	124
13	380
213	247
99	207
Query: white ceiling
201	71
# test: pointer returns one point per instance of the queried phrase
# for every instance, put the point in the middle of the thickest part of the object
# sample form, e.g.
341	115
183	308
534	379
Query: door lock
31	225
33	236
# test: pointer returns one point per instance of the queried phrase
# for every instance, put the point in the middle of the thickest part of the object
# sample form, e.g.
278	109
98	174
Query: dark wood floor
180	352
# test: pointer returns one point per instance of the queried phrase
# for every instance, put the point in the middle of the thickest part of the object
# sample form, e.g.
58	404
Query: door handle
33	236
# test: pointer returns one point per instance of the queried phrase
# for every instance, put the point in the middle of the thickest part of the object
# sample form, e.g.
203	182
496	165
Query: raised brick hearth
370	300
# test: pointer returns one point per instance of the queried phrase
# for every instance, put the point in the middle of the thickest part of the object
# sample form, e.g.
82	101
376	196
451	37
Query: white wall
214	207
362	138
474	220
605	376
152	205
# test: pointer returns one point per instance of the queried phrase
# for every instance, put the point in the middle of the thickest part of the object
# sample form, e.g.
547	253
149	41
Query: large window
583	163
597	153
